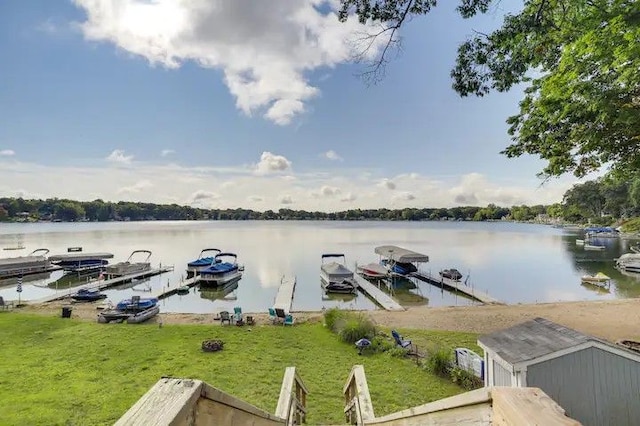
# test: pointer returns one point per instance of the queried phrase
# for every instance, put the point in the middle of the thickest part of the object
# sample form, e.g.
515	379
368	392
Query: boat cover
77	257
336	270
401	255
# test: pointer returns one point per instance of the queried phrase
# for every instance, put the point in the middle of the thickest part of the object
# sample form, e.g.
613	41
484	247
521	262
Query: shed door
501	376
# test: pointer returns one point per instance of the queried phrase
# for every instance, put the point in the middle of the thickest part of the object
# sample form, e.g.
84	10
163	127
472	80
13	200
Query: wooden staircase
182	402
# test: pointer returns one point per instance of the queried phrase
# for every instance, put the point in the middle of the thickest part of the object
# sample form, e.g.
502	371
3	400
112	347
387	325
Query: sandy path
610	320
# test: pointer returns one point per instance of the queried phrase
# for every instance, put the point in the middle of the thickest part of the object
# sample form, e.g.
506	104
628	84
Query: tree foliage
579	60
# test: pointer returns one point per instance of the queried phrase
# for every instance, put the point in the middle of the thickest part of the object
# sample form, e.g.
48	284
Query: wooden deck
458	286
382	298
101	284
168	290
284	298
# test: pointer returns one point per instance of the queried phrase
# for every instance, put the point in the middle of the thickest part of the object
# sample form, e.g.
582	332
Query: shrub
465	379
332	318
439	361
397	352
381	344
356	327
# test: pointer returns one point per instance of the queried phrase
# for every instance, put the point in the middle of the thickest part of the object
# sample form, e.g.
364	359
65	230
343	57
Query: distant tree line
601	201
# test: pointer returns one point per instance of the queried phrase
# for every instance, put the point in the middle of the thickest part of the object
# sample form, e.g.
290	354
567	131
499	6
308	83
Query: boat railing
292	404
44	251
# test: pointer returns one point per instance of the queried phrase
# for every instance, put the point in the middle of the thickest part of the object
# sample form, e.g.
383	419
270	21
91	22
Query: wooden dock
101	284
458	286
382	298
168	290
284	298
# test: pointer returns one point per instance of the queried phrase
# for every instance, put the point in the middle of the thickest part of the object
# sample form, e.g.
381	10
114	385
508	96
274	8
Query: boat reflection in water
7	282
224	292
72	279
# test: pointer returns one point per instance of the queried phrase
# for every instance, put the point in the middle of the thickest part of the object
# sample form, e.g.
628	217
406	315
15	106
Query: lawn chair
272	315
405	344
288	320
282	316
250	320
5	305
224	316
237	315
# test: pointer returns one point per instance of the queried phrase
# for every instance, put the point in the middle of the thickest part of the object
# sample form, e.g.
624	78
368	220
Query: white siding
501	376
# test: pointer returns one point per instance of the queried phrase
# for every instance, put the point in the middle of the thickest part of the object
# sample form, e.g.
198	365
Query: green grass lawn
56	371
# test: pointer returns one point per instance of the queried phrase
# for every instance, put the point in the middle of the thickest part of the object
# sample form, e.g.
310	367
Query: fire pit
212	345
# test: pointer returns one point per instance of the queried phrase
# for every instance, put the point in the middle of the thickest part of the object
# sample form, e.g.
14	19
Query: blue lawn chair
288	320
272	315
399	341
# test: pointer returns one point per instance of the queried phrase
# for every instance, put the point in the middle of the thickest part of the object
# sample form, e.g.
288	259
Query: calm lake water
512	262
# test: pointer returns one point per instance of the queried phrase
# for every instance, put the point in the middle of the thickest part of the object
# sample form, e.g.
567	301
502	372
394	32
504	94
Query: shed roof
400	254
534	339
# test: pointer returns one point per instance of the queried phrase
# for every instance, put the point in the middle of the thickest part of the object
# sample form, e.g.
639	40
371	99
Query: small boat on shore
143	316
86	295
221	272
129	266
136	303
203	262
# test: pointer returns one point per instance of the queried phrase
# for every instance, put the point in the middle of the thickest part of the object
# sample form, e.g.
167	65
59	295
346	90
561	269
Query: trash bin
66	312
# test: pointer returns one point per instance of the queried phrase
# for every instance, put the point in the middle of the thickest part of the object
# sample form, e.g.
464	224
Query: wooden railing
292	404
358	407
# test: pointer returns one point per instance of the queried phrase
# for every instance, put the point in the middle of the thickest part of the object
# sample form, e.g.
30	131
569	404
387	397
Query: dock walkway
458	286
101	284
284	298
167	291
382	298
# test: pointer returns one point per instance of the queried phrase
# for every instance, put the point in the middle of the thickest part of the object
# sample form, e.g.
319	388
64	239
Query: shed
596	382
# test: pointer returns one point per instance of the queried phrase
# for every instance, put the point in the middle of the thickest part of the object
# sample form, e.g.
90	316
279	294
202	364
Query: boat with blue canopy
86	295
203	261
221	272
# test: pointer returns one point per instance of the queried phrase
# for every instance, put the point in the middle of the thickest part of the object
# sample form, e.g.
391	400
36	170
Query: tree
586	198
580	60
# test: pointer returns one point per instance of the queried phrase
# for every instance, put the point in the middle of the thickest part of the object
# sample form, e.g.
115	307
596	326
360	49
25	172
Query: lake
513	262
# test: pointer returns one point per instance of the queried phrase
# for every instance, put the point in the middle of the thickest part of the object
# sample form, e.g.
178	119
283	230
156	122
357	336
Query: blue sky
237	105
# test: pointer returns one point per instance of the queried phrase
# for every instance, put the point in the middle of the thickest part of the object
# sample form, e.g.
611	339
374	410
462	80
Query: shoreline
611	320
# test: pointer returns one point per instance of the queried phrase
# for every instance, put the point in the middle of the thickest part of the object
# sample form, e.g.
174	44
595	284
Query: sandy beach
611	319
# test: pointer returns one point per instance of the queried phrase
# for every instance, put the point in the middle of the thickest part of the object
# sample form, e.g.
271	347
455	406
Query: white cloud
329	191
270	163
332	155
348	198
404	196
201	194
118	156
204	185
263	48
387	183
136	187
166	152
7	153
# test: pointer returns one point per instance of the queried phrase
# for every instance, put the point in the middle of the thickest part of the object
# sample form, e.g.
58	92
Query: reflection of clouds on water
553	294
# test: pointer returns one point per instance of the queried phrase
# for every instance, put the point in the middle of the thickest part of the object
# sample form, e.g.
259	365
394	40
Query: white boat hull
219	279
126	268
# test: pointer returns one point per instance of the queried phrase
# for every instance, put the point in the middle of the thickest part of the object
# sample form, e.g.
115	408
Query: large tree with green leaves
579	60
